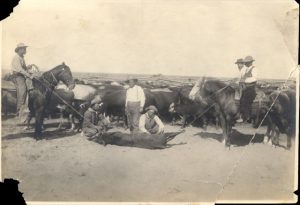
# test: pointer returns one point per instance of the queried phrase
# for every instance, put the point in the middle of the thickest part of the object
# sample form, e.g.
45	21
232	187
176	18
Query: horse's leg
289	141
125	124
61	119
183	121
205	122
38	123
72	120
224	128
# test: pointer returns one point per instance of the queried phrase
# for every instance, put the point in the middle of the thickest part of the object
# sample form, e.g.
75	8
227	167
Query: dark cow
195	111
141	140
163	99
8	101
220	96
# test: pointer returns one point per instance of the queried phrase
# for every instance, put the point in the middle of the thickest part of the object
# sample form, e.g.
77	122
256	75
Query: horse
44	85
220	96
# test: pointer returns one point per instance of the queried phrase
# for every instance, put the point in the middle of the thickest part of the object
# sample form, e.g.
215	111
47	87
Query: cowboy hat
239	61
20	45
152	107
132	78
248	59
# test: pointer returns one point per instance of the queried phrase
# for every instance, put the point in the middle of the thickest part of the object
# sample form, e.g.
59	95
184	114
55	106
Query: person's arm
142	124
17	67
159	123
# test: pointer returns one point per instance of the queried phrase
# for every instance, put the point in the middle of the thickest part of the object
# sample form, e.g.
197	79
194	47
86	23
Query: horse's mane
215	85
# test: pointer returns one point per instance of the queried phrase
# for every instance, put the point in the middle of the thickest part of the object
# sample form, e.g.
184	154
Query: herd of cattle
172	103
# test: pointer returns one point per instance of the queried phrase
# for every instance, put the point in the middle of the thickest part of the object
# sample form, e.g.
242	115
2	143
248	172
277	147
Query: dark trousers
133	115
247	98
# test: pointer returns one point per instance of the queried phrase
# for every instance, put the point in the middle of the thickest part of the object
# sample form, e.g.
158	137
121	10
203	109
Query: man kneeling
150	122
94	123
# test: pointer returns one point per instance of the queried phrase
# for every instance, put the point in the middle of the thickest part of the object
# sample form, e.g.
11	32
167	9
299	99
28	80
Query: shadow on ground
47	135
237	138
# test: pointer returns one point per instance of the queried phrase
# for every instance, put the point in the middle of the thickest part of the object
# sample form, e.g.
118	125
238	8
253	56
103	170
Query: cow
8	101
163	99
141	140
195	111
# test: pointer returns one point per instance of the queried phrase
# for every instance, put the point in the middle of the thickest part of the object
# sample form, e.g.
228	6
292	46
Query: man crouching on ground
150	122
94	123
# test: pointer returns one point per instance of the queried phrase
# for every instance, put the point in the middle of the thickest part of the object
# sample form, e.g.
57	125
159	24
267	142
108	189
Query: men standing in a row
247	83
22	79
134	104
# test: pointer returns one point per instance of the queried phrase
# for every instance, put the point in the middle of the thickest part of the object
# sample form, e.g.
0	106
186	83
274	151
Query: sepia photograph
147	101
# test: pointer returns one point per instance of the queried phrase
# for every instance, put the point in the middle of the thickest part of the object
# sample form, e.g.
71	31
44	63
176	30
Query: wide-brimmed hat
239	61
248	59
20	45
152	107
132	78
97	100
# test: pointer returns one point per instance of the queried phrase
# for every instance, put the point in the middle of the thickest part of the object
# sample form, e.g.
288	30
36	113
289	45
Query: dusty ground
67	167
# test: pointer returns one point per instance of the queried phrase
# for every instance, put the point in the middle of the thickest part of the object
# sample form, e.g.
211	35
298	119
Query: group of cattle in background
219	108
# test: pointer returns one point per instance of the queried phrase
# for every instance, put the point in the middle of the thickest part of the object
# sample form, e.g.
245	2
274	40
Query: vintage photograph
151	100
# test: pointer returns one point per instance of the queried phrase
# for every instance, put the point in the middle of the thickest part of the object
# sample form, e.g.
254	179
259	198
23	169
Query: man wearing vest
150	122
134	104
248	78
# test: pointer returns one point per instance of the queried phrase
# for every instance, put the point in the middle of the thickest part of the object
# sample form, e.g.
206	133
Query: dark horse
40	96
220	96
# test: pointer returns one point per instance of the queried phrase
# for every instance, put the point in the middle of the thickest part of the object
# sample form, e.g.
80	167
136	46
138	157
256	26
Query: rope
246	147
55	93
205	111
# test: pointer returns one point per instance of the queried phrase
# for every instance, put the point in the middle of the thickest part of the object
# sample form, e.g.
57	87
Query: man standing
248	76
21	78
134	104
150	122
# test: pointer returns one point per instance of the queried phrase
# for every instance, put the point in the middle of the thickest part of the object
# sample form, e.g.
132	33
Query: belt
250	84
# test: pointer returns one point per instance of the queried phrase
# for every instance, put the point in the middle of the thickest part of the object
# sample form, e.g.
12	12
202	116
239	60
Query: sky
172	37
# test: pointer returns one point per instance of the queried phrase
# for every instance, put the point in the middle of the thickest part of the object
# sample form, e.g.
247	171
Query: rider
22	78
240	64
248	76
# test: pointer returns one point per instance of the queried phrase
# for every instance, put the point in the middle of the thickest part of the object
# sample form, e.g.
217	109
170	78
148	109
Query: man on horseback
22	78
248	83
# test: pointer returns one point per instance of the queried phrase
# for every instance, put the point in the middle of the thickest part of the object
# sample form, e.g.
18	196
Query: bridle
54	81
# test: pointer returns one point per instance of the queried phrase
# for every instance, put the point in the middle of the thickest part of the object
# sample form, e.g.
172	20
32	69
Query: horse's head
196	93
63	73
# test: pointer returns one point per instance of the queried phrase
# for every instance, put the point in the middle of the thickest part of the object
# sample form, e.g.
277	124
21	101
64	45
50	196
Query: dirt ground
65	166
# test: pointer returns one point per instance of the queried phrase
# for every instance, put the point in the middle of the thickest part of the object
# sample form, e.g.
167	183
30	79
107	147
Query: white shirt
135	94
244	76
142	122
